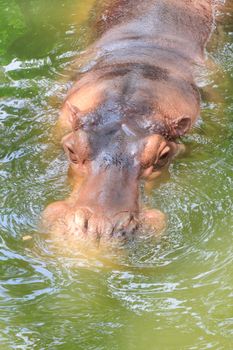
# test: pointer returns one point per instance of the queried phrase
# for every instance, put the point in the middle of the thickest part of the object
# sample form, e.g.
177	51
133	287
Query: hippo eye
163	158
164	154
72	156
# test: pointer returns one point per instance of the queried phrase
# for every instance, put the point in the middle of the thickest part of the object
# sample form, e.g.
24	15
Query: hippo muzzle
107	203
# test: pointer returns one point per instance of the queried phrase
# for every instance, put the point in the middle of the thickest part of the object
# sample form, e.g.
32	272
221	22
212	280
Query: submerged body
133	99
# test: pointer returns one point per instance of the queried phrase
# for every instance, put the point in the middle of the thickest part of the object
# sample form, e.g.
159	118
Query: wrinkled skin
122	118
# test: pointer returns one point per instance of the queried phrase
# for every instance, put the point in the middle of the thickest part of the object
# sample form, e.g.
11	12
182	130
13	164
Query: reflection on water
172	294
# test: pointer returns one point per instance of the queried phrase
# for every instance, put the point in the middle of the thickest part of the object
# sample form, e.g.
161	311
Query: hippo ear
74	113
181	126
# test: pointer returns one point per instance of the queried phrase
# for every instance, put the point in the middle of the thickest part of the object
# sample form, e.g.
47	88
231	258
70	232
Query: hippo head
113	157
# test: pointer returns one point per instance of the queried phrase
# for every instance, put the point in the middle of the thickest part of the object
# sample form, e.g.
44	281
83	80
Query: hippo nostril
86	224
81	218
121	234
125	226
122	220
99	226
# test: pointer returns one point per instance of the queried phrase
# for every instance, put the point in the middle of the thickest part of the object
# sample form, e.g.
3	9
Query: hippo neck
179	28
152	58
146	49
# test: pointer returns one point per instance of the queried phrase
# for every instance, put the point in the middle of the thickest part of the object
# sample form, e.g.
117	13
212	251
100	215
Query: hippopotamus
134	97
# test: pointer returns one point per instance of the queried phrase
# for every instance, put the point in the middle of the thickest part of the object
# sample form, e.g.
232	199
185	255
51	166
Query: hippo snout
105	204
85	223
99	226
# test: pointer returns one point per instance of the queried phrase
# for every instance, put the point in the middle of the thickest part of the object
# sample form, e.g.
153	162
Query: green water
176	293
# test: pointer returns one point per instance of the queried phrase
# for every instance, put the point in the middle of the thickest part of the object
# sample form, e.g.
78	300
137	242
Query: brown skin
124	114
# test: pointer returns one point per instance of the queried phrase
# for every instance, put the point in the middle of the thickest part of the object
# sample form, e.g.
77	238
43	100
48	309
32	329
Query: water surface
176	293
